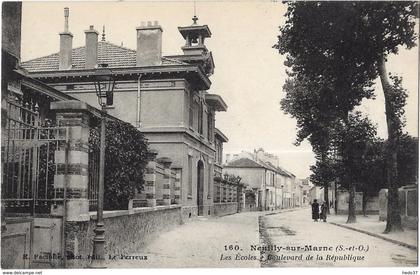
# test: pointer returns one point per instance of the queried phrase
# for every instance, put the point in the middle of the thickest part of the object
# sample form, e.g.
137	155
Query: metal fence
34	157
93	177
28	159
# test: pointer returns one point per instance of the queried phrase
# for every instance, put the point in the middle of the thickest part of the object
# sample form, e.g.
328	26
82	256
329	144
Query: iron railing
29	168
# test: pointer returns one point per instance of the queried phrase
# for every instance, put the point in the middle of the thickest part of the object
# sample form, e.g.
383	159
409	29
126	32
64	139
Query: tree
347	44
371	174
323	173
125	162
310	103
314	55
352	138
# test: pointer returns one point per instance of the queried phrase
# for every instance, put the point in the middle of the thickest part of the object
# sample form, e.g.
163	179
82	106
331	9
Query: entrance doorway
200	188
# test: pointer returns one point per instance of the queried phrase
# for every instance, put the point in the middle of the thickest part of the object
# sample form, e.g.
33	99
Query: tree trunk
352	207
393	221
348	164
335	198
364	202
326	198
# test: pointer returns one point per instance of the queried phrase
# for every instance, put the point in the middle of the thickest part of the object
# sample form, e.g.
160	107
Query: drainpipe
138	121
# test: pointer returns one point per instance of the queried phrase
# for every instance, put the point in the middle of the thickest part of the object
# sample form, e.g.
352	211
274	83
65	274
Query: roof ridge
77	48
50	55
245	158
174	60
118	46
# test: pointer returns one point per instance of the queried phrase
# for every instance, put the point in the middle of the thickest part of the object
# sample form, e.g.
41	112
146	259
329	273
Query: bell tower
194	36
195	50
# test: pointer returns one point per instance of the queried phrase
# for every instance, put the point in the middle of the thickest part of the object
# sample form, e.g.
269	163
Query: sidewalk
201	243
372	226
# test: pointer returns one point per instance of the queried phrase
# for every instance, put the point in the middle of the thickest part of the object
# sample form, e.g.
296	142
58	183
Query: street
296	229
267	239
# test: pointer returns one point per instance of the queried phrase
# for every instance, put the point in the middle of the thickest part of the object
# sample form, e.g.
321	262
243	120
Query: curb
281	211
412	247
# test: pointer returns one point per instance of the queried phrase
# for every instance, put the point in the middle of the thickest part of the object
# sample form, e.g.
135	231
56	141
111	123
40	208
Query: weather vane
195	18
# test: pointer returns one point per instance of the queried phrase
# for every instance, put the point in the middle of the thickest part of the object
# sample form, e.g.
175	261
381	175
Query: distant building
306	186
274	186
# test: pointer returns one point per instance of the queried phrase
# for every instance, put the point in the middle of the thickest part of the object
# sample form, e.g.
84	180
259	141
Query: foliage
397	96
309	102
125	162
324	171
408	147
371	175
355	33
232	178
353	140
342	46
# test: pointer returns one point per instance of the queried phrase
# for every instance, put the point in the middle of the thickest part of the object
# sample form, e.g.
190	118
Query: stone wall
225	208
126	231
372	204
188	212
408	205
409	209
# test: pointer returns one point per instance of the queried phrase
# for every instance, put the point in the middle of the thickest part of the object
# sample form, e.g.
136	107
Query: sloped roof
249	163
113	55
245	163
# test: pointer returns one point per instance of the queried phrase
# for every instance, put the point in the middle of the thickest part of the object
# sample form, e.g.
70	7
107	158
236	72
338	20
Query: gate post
150	179
166	191
177	186
72	177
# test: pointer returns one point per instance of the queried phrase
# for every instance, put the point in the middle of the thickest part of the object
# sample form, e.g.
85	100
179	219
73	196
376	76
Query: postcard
209	134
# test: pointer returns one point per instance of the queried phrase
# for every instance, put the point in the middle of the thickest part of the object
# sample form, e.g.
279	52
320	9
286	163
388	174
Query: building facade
274	187
166	97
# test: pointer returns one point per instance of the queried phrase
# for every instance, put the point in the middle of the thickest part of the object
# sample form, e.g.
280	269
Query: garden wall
225	208
127	231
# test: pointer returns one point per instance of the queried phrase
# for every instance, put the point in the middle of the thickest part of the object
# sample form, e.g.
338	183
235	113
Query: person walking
315	210
324	210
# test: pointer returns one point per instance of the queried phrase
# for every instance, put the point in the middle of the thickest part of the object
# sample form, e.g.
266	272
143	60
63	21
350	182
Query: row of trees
335	51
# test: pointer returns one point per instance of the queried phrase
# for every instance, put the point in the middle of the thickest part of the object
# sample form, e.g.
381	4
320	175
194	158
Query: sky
249	73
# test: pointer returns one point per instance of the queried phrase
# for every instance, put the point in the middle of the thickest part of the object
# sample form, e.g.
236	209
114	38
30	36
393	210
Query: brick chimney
149	44
91	48
66	44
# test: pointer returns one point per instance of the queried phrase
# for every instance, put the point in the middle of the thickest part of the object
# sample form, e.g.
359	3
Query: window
210	173
190	168
210	133
191	109
200	118
219	152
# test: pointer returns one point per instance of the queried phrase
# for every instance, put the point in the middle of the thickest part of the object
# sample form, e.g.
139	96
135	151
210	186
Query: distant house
274	187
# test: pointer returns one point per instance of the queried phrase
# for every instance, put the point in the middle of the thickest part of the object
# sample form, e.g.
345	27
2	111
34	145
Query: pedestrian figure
324	209
315	211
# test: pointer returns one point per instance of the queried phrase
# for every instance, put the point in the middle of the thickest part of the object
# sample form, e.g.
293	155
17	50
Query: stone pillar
177	187
150	179
72	181
222	192
166	188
